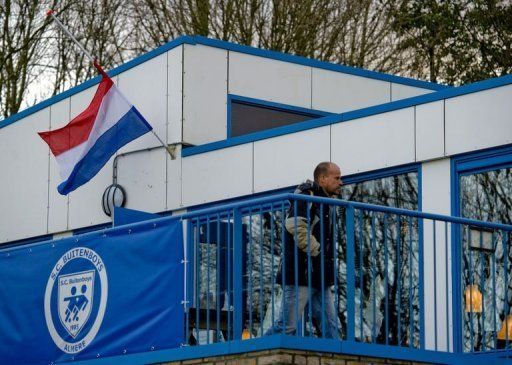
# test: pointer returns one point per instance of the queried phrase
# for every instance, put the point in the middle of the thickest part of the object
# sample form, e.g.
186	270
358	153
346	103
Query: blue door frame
461	165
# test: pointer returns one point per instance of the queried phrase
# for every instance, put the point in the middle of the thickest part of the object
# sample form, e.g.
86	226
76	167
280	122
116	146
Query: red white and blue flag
85	144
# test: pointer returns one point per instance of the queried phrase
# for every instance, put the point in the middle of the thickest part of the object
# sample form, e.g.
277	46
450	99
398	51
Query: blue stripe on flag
131	126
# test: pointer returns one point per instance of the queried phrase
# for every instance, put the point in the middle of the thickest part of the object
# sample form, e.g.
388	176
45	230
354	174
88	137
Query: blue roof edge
228	46
318	64
351	115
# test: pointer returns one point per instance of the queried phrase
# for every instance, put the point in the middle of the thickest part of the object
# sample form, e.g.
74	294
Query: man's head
328	176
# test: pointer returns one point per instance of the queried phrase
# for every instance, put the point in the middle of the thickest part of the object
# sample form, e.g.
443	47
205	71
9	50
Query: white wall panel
174	98
58	211
24	178
205	94
145	86
290	159
436	199
399	91
270	80
478	120
374	142
430	130
174	186
85	202
338	92
216	175
142	175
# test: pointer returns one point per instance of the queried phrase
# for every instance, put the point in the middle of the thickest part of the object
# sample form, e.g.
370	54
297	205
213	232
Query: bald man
309	243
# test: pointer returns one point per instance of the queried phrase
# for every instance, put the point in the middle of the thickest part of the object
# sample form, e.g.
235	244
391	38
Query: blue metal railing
400	278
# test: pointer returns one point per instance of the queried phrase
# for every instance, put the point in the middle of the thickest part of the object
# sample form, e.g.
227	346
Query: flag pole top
50	12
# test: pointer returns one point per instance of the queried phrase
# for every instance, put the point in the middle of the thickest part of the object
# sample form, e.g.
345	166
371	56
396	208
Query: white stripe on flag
113	107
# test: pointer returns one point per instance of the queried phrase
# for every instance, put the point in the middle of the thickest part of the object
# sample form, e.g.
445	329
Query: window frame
264	104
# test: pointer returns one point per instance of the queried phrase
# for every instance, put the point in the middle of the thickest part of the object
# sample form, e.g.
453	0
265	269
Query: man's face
331	182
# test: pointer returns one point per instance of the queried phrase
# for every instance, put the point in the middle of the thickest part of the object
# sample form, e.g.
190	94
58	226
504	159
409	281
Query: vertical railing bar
217	307
373	270
261	270
482	283
505	238
334	217
470	271
188	298
421	278
310	314
198	276
411	311
398	278
283	269
495	340
350	259
208	243
296	268
229	257
446	286
386	287
322	269
237	274
460	294
361	282
250	289
435	282
272	277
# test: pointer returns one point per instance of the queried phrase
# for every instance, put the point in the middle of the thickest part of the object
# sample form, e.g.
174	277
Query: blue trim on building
193	40
352	115
313	113
26	241
279	56
284	343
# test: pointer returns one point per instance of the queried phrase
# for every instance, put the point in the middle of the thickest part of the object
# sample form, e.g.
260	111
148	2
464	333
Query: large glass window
485	275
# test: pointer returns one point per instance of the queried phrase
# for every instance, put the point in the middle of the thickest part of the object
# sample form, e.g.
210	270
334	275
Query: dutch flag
87	142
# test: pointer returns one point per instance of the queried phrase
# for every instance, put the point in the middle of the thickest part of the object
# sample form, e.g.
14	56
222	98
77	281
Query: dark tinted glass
248	118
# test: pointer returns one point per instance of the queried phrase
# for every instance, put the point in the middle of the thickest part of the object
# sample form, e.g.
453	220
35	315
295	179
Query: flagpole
51	13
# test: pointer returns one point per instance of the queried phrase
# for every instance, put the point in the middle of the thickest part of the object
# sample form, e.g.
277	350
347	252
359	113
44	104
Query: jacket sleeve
300	231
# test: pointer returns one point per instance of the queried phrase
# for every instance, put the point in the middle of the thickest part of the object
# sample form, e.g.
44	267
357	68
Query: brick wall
281	357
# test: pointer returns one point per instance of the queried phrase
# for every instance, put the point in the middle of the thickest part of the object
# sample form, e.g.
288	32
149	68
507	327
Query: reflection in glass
486	196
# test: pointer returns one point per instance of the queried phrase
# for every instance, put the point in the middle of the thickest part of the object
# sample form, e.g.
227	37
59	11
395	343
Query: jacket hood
308	186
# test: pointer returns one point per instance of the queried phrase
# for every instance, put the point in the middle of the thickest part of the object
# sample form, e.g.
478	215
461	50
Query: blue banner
110	293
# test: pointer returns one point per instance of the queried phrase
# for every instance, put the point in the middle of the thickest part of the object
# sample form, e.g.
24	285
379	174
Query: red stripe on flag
77	131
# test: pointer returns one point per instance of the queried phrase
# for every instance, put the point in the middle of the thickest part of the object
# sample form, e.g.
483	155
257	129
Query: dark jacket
296	241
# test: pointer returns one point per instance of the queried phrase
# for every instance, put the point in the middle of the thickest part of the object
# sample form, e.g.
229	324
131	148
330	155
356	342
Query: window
249	115
484	184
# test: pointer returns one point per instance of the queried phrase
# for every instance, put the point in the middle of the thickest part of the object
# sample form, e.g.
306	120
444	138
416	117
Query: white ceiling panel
374	142
174	99
24	183
270	80
478	120
205	94
290	159
338	92
217	175
430	130
142	175
145	86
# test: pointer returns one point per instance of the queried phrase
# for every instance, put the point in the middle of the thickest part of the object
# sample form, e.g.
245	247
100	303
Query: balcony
401	288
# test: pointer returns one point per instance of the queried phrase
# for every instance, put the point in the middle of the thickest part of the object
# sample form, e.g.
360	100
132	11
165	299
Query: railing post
351	277
237	274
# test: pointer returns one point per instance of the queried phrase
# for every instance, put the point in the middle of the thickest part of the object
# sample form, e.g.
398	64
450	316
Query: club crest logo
75	299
